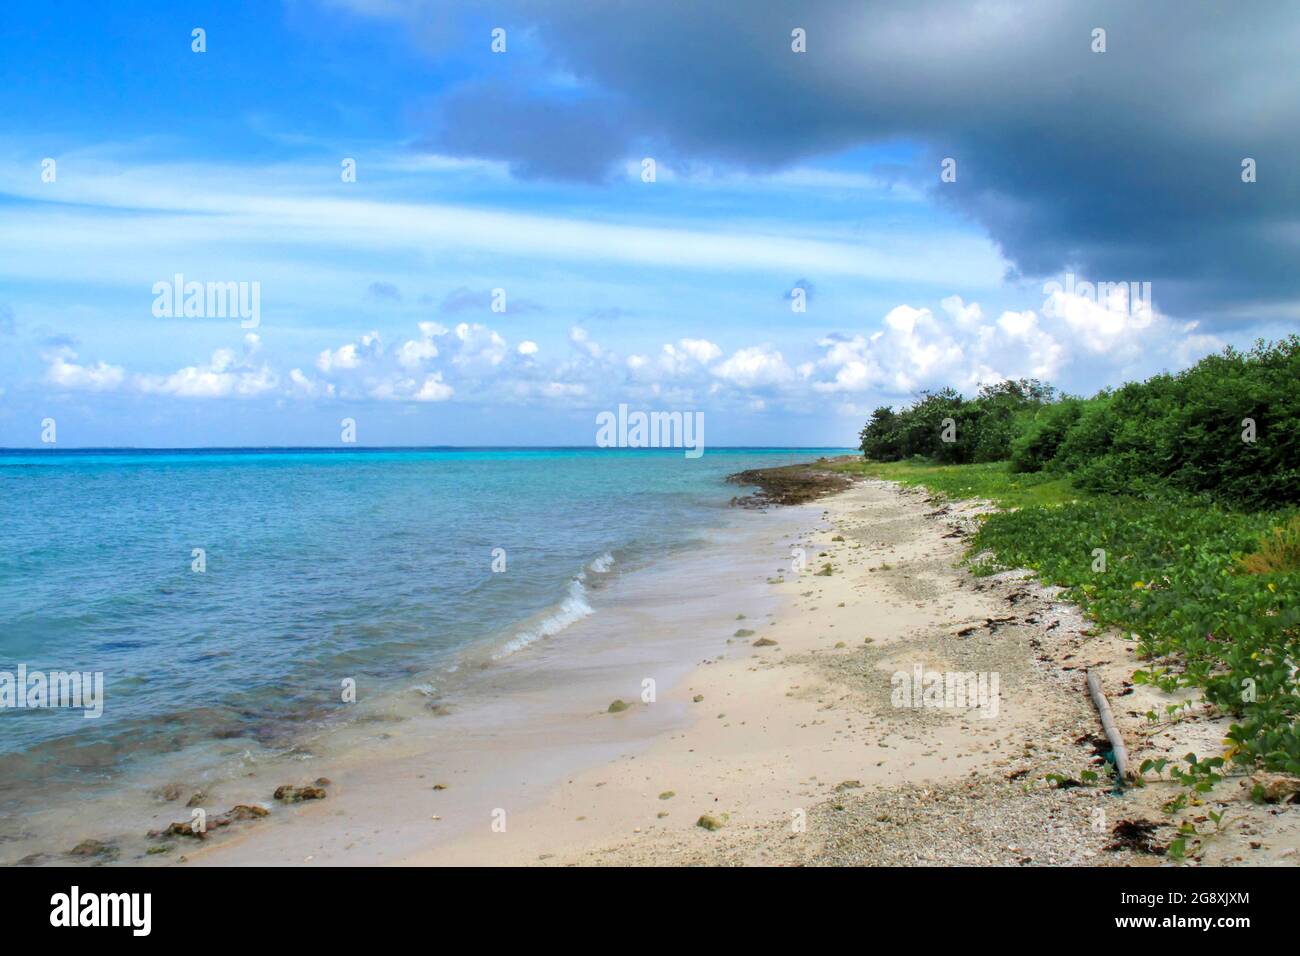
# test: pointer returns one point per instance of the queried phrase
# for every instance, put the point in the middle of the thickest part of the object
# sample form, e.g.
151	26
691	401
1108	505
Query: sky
451	244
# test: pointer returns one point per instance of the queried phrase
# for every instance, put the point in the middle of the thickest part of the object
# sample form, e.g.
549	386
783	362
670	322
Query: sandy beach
784	743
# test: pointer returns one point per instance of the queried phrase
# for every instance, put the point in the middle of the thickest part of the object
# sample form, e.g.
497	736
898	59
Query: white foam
572	608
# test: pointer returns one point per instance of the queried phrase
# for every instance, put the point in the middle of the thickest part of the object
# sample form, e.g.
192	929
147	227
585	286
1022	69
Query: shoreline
521	723
783	737
792	730
799	758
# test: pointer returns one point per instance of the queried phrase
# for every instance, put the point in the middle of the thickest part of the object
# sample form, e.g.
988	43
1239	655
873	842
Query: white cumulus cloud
754	367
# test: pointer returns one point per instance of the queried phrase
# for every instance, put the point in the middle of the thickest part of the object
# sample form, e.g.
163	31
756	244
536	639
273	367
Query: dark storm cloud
1122	165
541	136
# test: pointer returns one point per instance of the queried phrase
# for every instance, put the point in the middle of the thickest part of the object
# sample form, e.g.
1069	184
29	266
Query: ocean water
322	566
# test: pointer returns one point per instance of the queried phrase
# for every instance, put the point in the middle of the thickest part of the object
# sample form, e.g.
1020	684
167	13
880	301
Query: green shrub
880	438
1228	427
981	428
1038	434
1188	430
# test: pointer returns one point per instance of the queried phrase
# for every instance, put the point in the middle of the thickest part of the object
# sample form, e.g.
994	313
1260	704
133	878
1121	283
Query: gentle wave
572	609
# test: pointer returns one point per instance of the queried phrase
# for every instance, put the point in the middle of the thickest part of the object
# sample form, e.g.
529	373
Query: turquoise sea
374	565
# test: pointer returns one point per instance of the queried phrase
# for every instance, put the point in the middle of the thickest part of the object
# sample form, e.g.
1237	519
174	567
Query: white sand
795	749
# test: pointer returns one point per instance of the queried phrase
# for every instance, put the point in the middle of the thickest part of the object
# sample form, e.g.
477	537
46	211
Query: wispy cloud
169	206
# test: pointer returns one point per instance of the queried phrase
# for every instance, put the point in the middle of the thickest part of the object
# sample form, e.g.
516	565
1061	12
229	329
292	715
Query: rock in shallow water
291	794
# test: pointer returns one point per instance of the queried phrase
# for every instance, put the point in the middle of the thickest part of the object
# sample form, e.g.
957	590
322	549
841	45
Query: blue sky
522	172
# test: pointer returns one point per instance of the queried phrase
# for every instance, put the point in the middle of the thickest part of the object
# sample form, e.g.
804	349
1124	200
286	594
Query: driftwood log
1108	725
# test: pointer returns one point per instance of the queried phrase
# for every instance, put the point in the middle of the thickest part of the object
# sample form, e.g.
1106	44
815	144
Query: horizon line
359	447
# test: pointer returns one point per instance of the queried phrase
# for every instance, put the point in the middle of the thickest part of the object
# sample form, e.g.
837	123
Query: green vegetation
1228	427
993	481
1167	508
953	430
1165	570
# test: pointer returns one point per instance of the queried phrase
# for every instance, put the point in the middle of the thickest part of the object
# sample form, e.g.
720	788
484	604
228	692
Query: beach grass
993	481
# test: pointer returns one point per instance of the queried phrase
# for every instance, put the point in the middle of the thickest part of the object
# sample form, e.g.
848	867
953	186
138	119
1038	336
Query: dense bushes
1229	426
1039	434
948	428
